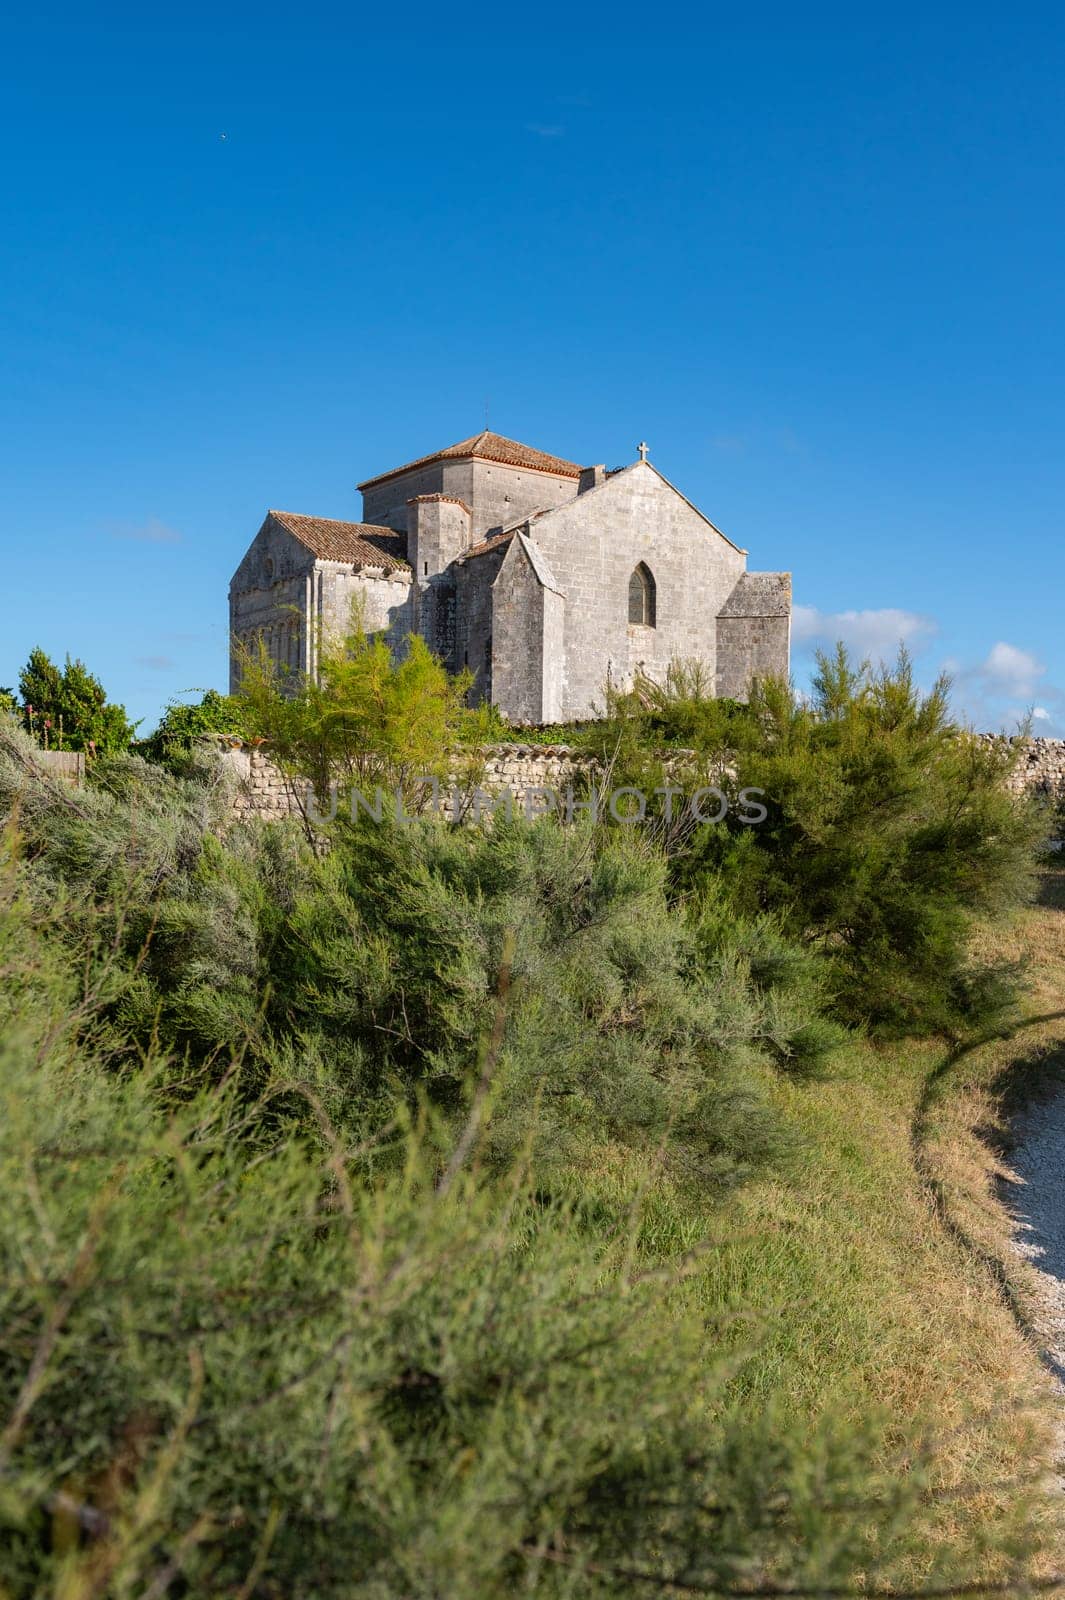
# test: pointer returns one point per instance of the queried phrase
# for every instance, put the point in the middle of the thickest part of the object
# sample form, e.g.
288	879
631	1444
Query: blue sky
814	255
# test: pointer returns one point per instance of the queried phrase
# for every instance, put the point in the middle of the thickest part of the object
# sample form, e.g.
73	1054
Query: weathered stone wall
497	495
592	545
517	666
386	505
502	495
747	648
384	603
473	624
1040	766
260	790
282	595
270	600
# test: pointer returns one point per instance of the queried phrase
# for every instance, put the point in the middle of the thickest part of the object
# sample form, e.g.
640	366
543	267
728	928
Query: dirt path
1035	1197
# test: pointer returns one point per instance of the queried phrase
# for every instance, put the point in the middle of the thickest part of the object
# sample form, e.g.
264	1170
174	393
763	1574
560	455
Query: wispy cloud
155	663
1001	692
150	532
1007	688
876	634
545	130
1007	669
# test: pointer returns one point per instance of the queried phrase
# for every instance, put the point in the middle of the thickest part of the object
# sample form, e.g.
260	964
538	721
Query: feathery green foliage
358	1231
372	967
890	831
368	718
241	1347
174	740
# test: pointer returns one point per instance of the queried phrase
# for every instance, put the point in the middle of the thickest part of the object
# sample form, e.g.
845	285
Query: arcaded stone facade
547	581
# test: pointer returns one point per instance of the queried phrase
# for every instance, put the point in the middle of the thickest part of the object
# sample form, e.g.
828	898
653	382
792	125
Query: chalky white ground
1037	1202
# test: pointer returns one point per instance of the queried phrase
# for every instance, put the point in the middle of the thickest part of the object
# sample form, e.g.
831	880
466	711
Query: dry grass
872	1274
968	1141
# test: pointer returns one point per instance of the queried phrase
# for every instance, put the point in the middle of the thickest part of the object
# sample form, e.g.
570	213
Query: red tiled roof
364	544
494	543
487	447
432	499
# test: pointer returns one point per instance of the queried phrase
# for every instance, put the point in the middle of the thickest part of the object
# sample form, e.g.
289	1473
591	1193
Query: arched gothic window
642	597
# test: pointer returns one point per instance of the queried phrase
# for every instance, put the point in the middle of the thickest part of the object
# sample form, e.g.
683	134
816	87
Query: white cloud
546	130
1009	670
876	634
1002	691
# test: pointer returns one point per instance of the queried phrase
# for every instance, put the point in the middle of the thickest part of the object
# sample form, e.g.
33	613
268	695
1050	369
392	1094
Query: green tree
370	719
69	709
182	724
7	700
890	831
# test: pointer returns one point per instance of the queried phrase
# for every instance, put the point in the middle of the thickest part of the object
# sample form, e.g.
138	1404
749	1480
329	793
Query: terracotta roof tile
496	542
432	499
487	447
504	535
364	544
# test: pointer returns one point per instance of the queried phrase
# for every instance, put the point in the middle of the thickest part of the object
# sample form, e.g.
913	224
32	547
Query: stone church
546	579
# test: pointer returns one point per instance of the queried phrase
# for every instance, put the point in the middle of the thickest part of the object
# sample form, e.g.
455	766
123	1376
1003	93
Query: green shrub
181	725
317	1274
234	1358
369	972
890	832
369	718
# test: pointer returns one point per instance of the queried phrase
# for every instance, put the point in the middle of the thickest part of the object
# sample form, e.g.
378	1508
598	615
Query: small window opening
642	598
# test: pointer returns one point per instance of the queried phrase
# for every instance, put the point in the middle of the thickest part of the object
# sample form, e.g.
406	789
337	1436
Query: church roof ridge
619	472
494	542
540	565
365	544
486	446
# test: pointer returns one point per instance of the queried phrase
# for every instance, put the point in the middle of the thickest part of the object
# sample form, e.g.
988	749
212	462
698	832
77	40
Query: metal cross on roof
643	449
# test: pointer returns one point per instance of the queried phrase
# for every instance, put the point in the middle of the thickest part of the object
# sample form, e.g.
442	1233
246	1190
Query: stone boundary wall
1040	768
260	790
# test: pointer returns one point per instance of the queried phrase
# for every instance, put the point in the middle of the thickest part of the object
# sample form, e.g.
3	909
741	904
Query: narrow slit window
642	597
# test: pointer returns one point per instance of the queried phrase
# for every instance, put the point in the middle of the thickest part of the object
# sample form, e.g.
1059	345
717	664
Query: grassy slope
873	1264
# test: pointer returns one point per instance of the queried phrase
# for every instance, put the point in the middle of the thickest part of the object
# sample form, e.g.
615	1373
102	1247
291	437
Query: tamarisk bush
237	1357
890	833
